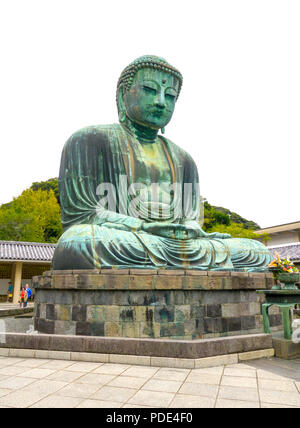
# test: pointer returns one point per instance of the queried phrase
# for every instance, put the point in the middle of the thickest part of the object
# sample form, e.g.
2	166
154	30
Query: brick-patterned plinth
160	304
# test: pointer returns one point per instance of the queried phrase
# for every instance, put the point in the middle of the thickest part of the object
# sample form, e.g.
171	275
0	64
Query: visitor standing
9	292
29	294
23	297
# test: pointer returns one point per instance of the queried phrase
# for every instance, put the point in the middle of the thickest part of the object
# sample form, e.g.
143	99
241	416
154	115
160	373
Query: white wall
283	238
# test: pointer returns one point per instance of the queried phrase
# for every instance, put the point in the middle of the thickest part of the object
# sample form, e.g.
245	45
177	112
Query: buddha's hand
217	235
202	234
170	230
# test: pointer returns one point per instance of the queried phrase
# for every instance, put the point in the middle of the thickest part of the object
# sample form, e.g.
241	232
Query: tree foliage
51	184
219	219
34	216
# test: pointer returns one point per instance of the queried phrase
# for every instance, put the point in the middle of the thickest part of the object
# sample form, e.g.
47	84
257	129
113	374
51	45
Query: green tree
51	184
237	230
212	217
34	216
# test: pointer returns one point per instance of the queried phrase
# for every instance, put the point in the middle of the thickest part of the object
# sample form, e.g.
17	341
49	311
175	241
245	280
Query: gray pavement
31	382
12	306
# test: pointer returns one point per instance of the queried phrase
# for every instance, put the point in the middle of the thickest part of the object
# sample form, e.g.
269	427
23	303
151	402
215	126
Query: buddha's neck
142	133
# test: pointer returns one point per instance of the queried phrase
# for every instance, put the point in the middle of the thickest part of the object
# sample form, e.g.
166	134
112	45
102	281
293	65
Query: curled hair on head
146	61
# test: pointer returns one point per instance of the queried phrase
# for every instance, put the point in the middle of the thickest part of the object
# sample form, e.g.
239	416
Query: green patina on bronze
163	234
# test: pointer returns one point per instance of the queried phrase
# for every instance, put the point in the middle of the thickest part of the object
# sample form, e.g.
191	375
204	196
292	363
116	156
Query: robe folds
103	212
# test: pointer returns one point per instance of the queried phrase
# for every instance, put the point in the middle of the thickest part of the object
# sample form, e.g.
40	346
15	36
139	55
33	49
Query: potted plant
285	272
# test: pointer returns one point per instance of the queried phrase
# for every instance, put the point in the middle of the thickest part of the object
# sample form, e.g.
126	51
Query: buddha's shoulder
178	151
99	133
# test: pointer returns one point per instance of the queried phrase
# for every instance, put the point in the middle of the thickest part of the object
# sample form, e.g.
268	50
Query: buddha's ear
121	104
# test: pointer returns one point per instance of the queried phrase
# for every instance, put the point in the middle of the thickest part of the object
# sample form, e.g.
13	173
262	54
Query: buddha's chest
152	165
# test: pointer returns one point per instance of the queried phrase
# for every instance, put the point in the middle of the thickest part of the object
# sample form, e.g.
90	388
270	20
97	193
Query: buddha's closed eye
149	90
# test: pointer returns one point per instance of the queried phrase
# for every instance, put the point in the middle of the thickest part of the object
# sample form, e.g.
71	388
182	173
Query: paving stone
205	378
83	367
239	372
247	382
37	373
265	374
60	355
16	382
162	385
277	385
280	397
98	404
57	364
152	398
172	374
219	360
236	404
238	393
210	370
114	394
11	371
140	371
9	361
134	406
58	402
130	359
91	357
95	379
253	355
44	387
23	353
4	391
19	399
206	390
276	406
65	376
186	363
192	401
298	386
115	369
31	362
240	366
3	377
78	390
128	382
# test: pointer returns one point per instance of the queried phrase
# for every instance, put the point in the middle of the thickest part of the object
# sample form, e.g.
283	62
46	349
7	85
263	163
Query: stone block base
160	304
181	363
284	348
156	352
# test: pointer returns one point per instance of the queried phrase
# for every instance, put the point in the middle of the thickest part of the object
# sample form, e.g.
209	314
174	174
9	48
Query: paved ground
56	383
12	306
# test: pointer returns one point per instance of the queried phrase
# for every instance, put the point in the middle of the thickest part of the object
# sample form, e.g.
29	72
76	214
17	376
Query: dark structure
137	303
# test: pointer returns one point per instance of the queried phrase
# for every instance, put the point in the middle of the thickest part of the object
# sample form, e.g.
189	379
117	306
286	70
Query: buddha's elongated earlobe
121	106
122	116
163	130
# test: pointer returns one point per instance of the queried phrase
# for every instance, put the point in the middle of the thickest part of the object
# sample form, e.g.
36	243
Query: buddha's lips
157	113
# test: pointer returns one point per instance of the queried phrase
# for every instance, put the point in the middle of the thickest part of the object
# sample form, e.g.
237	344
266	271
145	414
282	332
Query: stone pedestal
160	304
284	348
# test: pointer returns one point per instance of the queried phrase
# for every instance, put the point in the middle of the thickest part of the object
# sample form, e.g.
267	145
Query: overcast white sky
238	113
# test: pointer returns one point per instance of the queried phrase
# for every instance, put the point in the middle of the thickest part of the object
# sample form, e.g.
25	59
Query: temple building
285	240
19	262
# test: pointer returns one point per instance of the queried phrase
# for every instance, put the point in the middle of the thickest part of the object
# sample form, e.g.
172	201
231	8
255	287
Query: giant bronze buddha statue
130	197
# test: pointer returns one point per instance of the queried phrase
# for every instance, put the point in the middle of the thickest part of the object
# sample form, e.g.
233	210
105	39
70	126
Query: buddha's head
147	92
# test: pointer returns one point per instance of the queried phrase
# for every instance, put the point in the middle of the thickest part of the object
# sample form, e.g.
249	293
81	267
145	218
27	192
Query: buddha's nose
160	100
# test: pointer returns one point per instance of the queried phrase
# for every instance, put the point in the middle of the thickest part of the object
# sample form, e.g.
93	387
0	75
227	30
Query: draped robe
98	235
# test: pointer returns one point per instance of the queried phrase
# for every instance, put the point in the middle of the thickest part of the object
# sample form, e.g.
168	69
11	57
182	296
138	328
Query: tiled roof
26	251
287	250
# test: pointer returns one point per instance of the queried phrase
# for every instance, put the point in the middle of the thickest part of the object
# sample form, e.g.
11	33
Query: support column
16	281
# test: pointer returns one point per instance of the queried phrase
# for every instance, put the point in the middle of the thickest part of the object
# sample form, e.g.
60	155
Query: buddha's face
151	99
